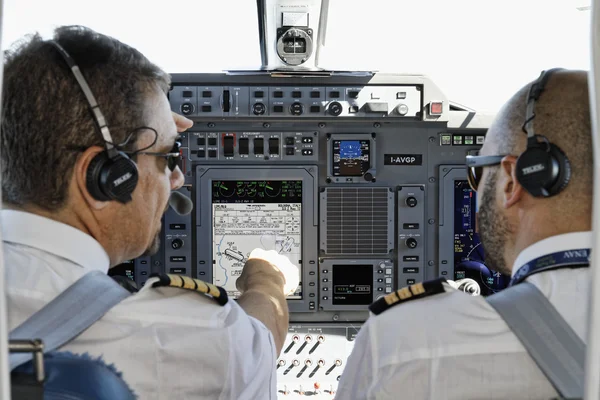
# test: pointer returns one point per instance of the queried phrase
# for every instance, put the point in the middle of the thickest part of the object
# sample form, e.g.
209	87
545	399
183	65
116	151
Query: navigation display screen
254	214
351	157
469	257
352	284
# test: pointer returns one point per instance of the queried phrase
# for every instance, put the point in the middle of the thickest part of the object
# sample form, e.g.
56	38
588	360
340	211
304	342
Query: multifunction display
254	214
352	284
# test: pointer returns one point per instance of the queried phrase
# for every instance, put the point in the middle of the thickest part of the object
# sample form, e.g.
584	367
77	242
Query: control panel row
345	284
351	158
330	279
252	146
402	101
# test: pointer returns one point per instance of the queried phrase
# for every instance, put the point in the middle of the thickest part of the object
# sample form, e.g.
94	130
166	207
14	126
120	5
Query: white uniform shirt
456	346
169	343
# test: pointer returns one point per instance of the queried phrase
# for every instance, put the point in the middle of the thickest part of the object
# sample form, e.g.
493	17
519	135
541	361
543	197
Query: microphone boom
180	203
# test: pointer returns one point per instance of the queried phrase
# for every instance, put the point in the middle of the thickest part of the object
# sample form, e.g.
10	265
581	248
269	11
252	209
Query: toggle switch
337	363
244	146
274	146
295	339
228	144
259	146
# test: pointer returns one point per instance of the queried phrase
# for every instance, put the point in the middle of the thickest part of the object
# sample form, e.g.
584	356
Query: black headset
111	175
543	169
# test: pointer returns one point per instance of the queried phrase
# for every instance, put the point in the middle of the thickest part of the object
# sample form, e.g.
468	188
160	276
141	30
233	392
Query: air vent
357	221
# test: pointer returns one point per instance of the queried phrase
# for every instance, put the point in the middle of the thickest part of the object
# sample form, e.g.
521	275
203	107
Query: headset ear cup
534	169
114	179
543	171
92	180
564	170
120	179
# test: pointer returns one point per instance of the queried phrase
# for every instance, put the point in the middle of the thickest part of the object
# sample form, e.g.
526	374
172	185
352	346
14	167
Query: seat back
70	376
39	371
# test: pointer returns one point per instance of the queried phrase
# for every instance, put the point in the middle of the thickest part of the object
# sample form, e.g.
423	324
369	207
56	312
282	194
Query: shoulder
249	342
216	293
175	321
180	300
177	302
426	312
408	294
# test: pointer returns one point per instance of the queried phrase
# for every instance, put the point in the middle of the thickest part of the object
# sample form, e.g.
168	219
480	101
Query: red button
435	108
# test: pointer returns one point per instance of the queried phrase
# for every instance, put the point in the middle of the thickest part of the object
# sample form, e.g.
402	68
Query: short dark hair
44	111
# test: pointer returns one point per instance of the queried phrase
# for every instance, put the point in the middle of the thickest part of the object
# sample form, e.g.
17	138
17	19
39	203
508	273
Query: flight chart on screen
254	214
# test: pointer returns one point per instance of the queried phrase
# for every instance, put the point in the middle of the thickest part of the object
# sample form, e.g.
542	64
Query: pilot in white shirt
452	345
456	346
61	221
168	342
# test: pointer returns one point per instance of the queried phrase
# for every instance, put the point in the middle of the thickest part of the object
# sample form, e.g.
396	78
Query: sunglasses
173	156
475	166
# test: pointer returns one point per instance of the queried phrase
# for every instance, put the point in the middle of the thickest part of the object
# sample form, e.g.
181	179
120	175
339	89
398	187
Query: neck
68	218
533	227
77	218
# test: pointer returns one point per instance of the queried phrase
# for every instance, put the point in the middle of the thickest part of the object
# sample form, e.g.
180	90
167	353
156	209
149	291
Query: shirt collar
553	244
53	237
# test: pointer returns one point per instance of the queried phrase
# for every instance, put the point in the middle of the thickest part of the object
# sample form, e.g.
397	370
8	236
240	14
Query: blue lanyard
576	258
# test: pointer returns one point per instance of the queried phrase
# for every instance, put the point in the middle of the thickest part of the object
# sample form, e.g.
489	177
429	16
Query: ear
80	173
512	190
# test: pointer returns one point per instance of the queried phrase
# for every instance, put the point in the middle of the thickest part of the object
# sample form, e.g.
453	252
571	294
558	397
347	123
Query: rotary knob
296	109
335	108
187	108
259	109
411	243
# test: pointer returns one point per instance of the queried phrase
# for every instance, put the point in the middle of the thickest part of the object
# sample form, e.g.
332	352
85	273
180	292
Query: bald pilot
454	346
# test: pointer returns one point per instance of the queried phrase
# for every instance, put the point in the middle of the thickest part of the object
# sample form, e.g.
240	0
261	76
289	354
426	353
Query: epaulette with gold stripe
185	282
408	293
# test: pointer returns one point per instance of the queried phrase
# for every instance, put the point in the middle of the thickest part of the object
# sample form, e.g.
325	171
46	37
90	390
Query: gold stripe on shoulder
188	283
210	288
217	293
408	293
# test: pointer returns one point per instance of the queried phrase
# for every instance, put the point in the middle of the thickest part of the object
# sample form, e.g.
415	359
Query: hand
281	264
182	122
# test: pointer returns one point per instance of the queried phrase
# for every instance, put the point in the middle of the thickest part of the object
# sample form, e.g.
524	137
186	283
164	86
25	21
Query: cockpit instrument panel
358	179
